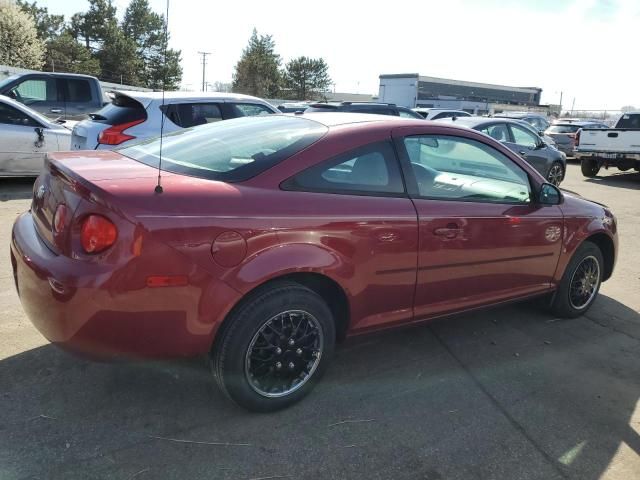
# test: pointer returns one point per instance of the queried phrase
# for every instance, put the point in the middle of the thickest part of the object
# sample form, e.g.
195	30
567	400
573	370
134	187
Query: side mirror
549	194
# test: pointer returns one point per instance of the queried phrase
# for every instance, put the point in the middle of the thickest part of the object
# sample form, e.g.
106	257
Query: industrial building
413	90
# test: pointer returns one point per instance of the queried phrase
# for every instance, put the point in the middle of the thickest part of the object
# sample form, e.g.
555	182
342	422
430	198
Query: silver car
133	116
25	137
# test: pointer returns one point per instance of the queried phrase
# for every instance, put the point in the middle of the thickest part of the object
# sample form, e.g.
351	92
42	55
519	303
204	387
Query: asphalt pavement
508	393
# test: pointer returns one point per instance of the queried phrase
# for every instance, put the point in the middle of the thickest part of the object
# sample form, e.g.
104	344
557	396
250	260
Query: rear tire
580	283
274	347
589	167
556	173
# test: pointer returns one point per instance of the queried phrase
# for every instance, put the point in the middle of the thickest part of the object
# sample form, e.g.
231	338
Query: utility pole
561	102
204	63
573	104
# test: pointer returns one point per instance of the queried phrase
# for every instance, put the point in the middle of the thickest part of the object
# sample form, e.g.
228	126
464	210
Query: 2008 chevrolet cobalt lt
274	237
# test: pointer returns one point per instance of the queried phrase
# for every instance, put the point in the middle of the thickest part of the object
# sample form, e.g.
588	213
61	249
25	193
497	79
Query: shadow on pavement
16	188
507	393
629	180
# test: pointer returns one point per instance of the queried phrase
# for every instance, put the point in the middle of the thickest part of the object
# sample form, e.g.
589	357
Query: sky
586	49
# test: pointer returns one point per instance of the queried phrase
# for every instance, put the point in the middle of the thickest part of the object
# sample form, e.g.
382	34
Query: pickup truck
617	147
65	96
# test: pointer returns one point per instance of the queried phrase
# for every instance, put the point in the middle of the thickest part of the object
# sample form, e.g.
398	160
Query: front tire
580	283
589	167
273	349
555	174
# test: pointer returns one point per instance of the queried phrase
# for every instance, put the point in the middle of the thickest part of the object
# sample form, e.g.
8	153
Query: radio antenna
158	188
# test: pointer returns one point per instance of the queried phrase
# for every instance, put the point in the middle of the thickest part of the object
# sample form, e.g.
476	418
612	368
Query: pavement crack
612	328
514	423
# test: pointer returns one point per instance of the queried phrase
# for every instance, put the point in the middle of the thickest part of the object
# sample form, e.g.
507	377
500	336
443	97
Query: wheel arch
606	246
326	287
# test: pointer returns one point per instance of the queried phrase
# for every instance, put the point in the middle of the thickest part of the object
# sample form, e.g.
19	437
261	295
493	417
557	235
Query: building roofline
399	75
479	85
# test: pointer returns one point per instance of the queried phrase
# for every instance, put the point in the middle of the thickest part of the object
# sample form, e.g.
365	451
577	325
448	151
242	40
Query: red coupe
273	237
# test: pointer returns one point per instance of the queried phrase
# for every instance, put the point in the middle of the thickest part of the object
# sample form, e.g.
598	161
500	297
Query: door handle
523	153
56	110
450	231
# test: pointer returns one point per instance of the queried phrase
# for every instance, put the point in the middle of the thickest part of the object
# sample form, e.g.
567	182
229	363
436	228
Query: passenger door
530	147
360	211
482	238
21	146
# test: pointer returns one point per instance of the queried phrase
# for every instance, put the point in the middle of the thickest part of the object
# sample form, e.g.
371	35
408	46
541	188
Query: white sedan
25	137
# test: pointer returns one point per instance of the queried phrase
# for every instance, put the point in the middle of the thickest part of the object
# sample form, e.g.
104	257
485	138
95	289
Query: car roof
570	124
518	115
332	119
187	96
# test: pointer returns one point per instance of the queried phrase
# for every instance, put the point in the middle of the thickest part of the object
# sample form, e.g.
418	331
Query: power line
204	63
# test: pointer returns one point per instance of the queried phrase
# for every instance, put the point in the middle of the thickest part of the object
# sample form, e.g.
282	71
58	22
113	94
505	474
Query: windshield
7	81
563	128
233	150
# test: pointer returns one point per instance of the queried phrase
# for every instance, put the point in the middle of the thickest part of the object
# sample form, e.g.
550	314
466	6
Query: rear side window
232	151
563	128
252	109
629	121
122	109
187	115
77	91
369	170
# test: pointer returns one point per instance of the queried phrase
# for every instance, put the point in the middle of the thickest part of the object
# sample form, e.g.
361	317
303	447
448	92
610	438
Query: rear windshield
629	121
121	110
563	128
233	150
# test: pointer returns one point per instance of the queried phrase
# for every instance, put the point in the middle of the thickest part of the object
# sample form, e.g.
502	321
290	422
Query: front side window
372	169
13	116
233	151
35	90
456	168
523	137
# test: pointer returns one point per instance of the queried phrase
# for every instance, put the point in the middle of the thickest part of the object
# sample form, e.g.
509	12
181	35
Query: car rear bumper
83	307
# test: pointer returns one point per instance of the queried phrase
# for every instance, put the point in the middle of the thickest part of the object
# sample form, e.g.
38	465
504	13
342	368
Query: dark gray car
550	162
564	134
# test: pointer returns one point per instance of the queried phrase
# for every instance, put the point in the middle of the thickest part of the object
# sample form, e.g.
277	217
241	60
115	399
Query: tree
48	26
96	25
64	53
257	72
306	78
19	42
147	29
628	108
118	57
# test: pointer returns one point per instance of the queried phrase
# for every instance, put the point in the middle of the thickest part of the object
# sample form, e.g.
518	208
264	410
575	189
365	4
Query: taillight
114	135
577	139
60	218
98	233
